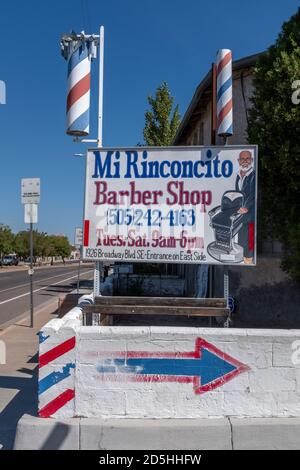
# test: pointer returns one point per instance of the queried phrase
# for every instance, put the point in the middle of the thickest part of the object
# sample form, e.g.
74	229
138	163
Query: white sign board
30	213
30	190
171	205
78	237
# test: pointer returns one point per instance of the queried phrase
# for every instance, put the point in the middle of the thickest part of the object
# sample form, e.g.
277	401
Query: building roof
203	92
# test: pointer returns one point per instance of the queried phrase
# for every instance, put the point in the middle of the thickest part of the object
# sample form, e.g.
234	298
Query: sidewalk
25	266
18	377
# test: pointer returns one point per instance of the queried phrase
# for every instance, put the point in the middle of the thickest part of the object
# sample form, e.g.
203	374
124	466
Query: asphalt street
49	283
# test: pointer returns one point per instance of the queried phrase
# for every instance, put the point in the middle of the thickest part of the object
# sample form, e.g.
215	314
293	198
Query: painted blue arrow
209	366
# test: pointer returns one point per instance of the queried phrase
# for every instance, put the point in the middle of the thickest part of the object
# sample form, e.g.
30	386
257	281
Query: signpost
30	213
30	196
171	205
30	190
78	237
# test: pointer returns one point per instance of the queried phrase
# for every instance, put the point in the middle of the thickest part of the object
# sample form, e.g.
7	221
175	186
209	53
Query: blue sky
146	42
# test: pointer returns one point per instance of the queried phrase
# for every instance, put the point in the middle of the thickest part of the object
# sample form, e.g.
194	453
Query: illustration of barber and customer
233	221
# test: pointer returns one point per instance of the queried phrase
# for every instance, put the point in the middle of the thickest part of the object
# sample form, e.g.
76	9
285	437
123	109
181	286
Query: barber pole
78	50
224	93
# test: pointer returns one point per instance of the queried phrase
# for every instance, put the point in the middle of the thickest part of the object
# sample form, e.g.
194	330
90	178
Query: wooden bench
171	306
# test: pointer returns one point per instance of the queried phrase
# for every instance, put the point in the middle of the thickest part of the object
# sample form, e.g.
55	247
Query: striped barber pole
56	376
79	84
224	93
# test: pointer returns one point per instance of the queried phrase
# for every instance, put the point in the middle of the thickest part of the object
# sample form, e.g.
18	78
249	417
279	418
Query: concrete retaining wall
160	434
160	372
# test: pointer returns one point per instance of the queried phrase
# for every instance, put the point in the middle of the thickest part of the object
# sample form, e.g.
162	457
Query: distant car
27	260
9	260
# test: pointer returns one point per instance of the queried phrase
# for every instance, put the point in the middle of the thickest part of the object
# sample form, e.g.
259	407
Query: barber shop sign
171	205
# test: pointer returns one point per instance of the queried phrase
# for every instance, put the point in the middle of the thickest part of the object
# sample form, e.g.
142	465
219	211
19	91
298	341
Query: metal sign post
78	274
31	275
225	119
30	195
99	264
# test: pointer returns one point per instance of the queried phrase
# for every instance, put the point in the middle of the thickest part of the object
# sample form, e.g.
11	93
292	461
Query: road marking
40	280
41	288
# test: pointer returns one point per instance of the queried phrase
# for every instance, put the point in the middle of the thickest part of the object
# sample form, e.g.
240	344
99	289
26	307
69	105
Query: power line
85	15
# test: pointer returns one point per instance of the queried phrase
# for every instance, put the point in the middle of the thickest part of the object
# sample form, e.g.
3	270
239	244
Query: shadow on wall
265	296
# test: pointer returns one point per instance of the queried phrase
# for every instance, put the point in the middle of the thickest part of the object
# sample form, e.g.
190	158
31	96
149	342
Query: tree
51	249
40	244
274	124
160	123
40	240
21	244
62	246
6	240
44	245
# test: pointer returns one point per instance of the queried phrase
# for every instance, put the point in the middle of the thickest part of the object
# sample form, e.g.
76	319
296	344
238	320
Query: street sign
30	213
171	205
78	237
30	190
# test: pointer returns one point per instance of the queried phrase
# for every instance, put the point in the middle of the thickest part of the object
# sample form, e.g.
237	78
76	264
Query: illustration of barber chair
226	223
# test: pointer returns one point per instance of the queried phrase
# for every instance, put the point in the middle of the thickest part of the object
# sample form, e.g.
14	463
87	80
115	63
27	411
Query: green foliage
21	244
291	261
6	240
274	124
62	246
160	123
40	243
